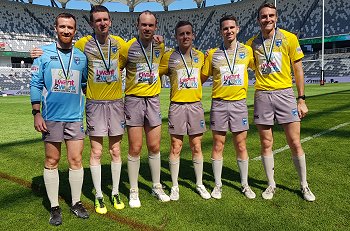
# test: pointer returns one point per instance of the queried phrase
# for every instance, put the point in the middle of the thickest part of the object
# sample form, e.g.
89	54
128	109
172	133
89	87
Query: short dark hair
268	5
146	12
65	15
228	17
183	23
98	8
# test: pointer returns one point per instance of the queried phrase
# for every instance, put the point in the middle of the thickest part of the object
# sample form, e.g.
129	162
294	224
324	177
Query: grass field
326	137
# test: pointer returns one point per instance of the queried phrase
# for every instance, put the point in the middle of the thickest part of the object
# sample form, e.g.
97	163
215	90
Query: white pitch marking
306	139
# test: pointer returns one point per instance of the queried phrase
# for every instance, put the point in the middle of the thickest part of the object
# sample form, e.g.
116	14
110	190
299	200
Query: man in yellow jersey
104	104
142	107
275	51
186	115
228	65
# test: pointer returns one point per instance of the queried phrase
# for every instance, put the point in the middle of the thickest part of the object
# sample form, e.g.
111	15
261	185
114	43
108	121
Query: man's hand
302	108
158	38
39	123
36	52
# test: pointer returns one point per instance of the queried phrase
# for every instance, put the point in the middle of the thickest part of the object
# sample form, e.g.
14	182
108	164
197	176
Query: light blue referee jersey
57	80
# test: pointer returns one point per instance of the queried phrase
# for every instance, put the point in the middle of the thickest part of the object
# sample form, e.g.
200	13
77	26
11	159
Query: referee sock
76	178
96	179
51	180
243	170
198	170
133	170
116	168
300	165
174	166
217	170
154	165
269	166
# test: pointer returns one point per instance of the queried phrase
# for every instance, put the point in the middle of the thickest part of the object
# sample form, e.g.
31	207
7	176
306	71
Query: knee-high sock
217	170
198	170
116	168
300	165
174	166
76	178
269	166
243	170
51	180
154	165
96	179
133	171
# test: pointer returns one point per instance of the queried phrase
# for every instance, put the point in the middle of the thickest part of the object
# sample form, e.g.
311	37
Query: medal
268	56
231	66
108	78
66	87
266	70
66	73
189	73
149	61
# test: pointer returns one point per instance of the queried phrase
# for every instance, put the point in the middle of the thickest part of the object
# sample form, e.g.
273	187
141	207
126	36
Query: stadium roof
131	3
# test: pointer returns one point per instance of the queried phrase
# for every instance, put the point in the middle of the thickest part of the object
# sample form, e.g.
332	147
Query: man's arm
299	82
36	52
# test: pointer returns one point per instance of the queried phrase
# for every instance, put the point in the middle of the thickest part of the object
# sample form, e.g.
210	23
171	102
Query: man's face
146	26
101	23
267	19
65	29
229	30
184	36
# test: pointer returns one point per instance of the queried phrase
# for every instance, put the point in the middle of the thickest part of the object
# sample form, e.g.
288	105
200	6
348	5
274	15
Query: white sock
198	170
51	180
154	165
174	166
217	170
116	168
269	166
300	165
76	178
133	171
96	179
243	170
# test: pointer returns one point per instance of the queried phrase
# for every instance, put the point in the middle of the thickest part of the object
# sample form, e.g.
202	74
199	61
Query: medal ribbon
268	55
69	63
101	53
150	59
231	65
185	63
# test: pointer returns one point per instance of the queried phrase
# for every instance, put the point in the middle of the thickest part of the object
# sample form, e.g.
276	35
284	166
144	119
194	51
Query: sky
113	7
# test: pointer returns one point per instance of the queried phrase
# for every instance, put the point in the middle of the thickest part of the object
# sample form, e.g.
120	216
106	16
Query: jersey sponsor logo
232	79
202	123
65	85
143	74
101	75
185	81
295	112
275	64
176	61
53	57
241	55
278	42
34	69
299	50
136	53
244	121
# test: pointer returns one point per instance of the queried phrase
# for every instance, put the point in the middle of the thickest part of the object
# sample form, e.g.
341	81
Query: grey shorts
279	105
229	115
105	117
60	131
186	118
140	111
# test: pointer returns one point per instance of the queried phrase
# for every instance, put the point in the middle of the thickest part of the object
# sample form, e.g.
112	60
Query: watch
35	111
303	97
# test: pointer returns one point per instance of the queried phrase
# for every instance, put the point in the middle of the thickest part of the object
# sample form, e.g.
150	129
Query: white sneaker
134	201
248	192
203	192
174	195
216	193
158	192
268	193
308	195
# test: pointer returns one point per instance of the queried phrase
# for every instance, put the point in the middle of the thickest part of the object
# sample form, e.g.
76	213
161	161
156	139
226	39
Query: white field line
306	139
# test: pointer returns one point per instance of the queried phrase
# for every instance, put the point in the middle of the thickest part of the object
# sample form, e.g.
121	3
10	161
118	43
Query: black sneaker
79	210
55	216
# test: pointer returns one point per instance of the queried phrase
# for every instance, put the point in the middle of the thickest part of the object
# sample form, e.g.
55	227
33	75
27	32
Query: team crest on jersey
278	42
157	53
195	59
114	49
77	60
242	55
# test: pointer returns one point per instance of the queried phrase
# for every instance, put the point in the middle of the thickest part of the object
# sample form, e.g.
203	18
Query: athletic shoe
268	193
248	192
79	210
134	201
55	216
216	193
159	193
174	194
308	195
100	206
117	202
203	192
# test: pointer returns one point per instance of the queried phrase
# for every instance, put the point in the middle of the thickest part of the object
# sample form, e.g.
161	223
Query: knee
75	162
51	162
153	147
295	146
241	147
196	149
135	150
266	143
96	153
175	151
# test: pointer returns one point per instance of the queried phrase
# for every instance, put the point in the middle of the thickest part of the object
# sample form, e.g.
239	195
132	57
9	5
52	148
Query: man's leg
116	166
174	164
217	161
292	131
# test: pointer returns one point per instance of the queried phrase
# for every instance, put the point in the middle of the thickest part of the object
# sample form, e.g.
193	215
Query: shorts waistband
224	100
183	103
103	101
143	97
275	91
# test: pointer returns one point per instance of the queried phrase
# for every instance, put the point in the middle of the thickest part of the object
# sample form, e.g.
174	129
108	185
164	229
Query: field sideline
325	134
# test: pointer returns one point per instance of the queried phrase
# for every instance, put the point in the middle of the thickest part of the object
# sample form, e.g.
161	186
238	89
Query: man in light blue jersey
57	80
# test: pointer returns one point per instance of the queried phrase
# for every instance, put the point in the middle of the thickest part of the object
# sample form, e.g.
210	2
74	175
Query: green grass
24	205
